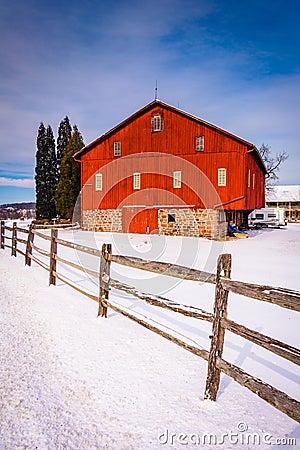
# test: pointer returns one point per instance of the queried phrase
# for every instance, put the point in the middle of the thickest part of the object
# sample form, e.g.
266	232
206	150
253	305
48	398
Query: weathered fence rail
56	225
163	268
285	298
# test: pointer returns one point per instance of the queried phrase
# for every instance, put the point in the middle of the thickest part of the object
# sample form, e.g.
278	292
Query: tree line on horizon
57	174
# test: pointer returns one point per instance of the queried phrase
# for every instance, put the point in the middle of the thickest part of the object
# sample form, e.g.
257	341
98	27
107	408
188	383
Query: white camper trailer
265	217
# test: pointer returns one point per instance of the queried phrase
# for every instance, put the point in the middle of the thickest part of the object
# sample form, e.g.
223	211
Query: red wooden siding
139	147
137	220
255	191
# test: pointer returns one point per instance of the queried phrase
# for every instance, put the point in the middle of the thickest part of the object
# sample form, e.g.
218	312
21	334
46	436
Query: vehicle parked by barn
264	217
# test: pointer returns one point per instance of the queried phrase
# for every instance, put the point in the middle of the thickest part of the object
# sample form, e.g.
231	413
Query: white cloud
20	182
107	69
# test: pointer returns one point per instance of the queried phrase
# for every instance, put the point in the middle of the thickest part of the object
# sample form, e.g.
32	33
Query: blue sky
233	63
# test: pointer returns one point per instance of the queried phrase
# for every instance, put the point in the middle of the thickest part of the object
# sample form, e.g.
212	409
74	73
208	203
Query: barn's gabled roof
155	103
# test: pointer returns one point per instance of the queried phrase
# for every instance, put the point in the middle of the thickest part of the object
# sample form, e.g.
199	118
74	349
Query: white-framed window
157	123
98	183
253	180
222	177
117	148
136	180
177	179
199	144
249	178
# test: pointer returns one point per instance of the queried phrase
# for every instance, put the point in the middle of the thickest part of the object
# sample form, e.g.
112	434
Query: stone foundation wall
102	220
206	223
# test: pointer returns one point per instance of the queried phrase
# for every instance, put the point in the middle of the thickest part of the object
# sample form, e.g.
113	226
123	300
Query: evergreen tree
68	187
51	173
40	186
63	136
46	174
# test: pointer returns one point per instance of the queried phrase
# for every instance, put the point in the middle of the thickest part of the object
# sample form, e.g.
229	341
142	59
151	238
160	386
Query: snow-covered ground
70	380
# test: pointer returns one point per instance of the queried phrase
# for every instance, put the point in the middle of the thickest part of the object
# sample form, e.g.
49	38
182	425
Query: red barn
164	170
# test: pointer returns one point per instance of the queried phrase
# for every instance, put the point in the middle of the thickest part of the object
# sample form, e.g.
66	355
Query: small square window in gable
117	148
199	144
157	123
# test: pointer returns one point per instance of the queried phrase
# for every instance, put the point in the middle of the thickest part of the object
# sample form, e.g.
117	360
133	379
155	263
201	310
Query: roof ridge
251	146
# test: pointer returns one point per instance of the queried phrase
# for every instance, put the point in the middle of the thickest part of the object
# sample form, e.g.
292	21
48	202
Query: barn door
138	220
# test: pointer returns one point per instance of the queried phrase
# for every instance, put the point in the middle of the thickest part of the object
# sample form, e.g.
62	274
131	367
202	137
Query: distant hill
24	205
17	210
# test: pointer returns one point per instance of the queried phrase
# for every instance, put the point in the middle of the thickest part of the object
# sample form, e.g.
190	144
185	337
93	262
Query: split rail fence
282	297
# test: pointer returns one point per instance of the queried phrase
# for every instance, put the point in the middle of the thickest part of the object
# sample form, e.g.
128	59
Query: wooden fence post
104	279
53	253
220	311
2	235
14	240
28	252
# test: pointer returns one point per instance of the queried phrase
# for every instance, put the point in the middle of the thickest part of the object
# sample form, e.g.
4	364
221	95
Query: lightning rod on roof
155	95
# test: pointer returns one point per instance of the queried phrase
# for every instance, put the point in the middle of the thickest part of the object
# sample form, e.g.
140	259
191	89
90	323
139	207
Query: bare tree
272	164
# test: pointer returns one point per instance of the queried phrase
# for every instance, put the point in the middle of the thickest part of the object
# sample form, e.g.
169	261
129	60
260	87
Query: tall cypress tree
40	186
63	136
68	187
46	174
51	178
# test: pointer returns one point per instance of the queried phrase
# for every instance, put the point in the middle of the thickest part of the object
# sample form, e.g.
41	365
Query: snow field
70	380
